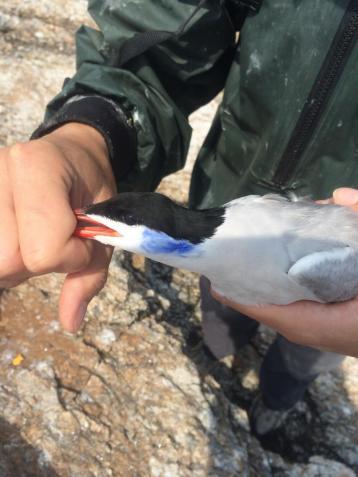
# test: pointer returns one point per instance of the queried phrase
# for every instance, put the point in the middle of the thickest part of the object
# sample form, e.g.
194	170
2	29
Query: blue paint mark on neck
154	242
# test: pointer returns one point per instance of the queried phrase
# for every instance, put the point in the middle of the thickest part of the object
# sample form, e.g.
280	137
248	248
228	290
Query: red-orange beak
88	228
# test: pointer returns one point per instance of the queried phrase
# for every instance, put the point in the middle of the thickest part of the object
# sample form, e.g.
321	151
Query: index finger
41	189
329	326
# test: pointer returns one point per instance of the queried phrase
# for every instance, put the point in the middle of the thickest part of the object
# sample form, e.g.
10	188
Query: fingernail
346	196
80	314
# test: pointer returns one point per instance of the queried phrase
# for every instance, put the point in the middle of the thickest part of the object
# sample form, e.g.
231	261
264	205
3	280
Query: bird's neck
194	226
185	245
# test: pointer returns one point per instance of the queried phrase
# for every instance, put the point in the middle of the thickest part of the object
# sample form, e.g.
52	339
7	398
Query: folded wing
332	275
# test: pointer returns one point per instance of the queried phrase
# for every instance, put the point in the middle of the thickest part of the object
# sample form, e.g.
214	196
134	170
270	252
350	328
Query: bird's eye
130	220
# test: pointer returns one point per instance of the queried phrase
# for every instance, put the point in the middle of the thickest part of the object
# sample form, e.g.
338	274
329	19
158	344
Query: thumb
80	287
345	196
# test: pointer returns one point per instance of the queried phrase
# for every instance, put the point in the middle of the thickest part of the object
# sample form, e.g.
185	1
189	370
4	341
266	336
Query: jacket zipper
320	93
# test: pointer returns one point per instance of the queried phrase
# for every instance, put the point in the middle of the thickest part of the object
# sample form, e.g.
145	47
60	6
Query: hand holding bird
41	181
330	327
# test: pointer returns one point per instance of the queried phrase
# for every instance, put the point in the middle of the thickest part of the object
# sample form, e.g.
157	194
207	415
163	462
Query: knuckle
9	263
38	261
20	150
26	152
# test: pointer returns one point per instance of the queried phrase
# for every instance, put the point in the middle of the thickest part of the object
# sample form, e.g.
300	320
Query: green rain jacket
288	121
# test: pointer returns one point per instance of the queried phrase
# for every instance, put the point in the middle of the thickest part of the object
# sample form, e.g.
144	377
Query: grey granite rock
135	394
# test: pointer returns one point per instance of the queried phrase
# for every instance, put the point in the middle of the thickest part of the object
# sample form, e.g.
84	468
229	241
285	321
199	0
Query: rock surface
134	394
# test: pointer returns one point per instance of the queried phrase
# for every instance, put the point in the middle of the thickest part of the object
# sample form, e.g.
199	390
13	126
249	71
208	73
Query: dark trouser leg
288	369
225	330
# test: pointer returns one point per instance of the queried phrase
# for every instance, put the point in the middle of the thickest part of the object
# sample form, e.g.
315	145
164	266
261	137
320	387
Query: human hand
330	327
41	182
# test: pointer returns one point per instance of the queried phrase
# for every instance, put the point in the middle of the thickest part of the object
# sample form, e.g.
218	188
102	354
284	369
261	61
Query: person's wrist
81	135
84	139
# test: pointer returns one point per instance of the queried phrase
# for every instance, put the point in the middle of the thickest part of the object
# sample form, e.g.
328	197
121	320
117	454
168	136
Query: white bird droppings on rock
107	336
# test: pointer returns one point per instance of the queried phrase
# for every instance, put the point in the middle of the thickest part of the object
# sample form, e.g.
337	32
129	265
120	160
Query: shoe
262	419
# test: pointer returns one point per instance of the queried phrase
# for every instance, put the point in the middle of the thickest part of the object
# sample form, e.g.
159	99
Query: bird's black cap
160	213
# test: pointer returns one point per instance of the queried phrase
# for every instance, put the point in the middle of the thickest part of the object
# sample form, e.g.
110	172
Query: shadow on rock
308	431
315	427
18	458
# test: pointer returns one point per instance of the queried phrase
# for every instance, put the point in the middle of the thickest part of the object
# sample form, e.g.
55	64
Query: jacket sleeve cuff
108	118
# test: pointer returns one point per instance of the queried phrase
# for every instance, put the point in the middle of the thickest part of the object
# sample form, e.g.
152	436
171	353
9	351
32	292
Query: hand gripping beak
89	228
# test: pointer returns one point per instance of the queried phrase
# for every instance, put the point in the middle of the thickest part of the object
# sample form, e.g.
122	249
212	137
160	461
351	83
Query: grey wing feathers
332	275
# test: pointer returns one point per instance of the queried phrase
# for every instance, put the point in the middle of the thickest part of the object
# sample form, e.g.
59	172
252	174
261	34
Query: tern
254	250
